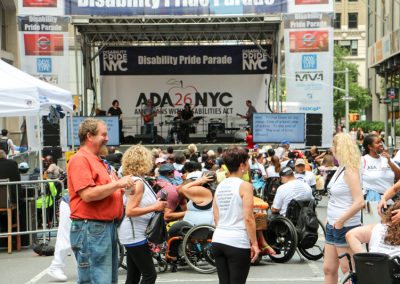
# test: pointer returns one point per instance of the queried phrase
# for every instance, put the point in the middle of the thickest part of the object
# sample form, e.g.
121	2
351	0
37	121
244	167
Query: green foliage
369	126
360	95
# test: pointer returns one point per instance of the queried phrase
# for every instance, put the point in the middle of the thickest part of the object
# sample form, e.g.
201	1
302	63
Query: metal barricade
32	190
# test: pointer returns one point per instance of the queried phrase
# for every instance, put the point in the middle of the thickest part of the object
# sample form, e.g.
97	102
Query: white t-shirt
139	223
279	152
271	172
397	157
259	166
307	177
377	241
294	189
340	200
231	229
376	174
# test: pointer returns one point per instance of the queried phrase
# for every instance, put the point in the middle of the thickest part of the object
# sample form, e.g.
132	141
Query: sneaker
57	274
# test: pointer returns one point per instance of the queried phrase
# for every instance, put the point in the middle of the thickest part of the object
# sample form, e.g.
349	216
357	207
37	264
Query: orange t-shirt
86	169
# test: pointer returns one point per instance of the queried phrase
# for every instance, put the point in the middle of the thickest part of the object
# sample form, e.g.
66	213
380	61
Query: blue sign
309	62
173	7
43	65
112	123
276	127
186	60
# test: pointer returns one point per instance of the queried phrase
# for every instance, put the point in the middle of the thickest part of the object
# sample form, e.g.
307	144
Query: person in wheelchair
303	175
382	237
258	174
200	194
291	188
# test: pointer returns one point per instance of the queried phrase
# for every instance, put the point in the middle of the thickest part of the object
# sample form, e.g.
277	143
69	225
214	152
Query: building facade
383	61
350	33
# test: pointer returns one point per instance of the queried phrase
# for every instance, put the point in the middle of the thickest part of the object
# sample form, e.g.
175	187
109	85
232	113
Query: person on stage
249	114
148	114
187	116
115	110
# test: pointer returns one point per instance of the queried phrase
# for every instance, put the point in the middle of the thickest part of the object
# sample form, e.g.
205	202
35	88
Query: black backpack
306	222
270	189
4	145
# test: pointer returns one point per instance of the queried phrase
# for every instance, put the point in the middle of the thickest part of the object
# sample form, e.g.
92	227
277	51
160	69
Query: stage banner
174	7
41	7
216	79
309	67
302	6
43	46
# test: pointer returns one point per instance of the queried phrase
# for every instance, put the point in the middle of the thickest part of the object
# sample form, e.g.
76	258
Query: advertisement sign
276	127
173	8
181	60
44	48
301	6
309	67
41	7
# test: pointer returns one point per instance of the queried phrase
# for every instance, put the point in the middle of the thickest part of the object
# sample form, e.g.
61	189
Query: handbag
156	231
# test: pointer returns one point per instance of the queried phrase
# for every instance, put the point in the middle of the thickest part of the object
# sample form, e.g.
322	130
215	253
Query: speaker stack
51	133
313	129
216	133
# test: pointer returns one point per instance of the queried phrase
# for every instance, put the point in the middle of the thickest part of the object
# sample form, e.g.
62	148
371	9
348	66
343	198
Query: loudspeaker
221	138
147	139
215	128
313	129
51	133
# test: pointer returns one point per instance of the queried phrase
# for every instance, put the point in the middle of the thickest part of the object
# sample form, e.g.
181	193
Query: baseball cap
160	160
286	171
23	166
166	168
300	162
285	142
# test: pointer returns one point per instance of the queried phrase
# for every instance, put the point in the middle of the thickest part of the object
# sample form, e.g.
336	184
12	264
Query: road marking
314	268
37	277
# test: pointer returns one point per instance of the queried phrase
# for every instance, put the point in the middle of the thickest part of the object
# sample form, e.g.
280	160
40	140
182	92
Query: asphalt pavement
26	267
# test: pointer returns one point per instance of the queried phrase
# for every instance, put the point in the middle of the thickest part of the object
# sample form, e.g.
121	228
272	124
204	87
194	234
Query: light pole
347	97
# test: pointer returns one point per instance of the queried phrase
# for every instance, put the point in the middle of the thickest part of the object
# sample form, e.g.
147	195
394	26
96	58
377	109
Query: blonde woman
139	207
344	206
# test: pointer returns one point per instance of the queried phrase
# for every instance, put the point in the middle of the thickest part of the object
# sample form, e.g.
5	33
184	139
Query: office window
338	0
338	21
2	27
350	45
353	21
352	0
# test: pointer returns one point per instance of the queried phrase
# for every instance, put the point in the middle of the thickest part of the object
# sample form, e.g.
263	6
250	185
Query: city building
350	33
383	40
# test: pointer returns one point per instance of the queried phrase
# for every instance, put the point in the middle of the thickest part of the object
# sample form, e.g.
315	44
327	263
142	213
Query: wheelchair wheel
122	256
317	251
197	248
282	236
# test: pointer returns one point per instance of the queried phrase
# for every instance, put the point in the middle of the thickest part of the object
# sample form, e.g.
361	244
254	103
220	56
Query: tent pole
42	191
72	131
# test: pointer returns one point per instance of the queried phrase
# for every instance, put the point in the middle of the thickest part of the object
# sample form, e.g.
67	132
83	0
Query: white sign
309	67
305	6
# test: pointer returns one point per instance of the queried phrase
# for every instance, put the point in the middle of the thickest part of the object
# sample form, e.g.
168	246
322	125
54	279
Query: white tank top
231	229
139	223
377	241
340	200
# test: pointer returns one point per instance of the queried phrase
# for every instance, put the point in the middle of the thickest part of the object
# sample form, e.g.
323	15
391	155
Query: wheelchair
372	268
193	245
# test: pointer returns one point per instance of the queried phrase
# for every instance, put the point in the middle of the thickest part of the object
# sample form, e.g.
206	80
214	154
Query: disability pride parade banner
216	79
309	67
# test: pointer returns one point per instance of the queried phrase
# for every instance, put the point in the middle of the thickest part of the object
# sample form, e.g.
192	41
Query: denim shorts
337	237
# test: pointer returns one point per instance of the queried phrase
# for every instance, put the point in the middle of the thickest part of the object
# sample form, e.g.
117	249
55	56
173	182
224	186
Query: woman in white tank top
139	207
345	202
382	238
234	240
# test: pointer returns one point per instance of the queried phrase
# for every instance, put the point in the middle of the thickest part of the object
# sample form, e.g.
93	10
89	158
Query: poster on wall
309	67
41	7
43	44
215	80
301	6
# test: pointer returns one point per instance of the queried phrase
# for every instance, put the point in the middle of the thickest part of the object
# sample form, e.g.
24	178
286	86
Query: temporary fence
25	197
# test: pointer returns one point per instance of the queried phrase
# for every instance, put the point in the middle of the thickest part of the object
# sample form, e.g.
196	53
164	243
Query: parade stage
183	147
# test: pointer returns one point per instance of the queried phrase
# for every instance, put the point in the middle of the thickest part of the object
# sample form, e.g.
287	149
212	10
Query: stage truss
95	33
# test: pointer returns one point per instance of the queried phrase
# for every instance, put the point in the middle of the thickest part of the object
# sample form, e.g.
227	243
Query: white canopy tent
24	95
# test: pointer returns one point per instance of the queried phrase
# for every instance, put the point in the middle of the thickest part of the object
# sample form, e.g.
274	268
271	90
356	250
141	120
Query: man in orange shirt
96	205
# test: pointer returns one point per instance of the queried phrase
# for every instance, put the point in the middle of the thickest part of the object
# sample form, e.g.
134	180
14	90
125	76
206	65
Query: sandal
268	250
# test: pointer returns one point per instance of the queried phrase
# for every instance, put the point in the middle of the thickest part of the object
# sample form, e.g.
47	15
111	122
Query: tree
361	97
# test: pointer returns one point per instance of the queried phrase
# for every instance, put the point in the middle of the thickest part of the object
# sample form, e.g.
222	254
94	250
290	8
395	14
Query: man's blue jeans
96	252
149	128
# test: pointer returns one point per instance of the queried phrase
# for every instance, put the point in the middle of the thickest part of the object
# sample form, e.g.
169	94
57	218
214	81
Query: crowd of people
113	196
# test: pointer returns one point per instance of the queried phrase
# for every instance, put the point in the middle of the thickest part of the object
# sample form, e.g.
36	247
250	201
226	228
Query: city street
26	267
